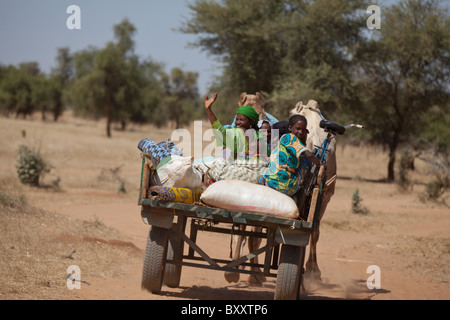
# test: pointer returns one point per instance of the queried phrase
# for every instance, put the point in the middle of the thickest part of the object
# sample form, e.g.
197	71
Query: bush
30	166
356	203
11	201
436	188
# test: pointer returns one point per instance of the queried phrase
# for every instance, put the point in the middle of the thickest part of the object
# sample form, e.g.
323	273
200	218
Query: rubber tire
172	271
290	271
154	259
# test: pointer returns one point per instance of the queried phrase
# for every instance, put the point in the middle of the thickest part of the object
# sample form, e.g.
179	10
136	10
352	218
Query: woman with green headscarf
239	140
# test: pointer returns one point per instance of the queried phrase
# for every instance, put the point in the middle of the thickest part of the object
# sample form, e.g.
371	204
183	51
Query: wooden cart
284	249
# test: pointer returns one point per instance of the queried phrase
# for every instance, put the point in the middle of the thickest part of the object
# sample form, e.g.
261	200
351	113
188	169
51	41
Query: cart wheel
154	260
172	271
290	271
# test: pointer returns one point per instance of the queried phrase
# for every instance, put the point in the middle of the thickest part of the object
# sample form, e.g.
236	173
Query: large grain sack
243	196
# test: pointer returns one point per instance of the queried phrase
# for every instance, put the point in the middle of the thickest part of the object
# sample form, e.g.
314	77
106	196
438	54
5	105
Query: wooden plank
234	217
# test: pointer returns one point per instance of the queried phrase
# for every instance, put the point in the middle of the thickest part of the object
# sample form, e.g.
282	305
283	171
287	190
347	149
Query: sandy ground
407	239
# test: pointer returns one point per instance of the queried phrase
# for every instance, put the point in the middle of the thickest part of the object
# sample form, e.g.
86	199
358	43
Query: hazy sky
32	30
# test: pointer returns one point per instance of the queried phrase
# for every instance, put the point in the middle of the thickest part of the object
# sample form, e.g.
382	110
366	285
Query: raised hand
209	102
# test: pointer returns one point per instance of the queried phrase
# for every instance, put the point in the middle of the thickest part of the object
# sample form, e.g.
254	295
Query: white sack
243	196
180	173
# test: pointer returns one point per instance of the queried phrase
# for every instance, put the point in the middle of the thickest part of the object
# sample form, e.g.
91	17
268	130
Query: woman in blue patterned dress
290	162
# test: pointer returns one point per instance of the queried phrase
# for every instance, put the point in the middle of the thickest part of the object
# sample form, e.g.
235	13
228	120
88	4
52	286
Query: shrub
11	201
356	203
436	188
30	166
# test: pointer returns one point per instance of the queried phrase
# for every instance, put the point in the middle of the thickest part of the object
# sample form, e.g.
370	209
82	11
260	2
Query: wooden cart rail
223	215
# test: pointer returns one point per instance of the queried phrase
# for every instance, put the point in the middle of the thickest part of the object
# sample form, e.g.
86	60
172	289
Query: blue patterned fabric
288	167
160	150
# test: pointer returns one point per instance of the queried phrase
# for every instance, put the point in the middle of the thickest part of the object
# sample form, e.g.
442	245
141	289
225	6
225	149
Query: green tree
320	39
433	146
3	71
106	82
25	89
18	87
243	36
181	99
60	79
151	94
403	72
82	95
43	93
285	49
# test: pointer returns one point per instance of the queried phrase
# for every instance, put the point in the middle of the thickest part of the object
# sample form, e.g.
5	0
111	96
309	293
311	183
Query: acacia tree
60	78
285	49
404	72
320	39
19	87
44	93
181	99
243	37
25	89
106	80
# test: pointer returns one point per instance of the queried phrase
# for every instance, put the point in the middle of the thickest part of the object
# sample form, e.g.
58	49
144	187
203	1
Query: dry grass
37	247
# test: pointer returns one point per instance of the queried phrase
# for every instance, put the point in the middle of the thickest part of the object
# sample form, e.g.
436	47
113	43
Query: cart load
181	195
248	197
177	211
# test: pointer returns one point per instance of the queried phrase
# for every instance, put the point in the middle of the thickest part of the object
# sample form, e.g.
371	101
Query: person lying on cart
290	161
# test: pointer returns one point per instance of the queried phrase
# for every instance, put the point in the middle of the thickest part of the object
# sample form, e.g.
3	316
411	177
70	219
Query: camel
315	137
254	100
237	241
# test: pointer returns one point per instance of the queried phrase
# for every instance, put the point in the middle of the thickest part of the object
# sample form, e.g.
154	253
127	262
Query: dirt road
404	242
407	239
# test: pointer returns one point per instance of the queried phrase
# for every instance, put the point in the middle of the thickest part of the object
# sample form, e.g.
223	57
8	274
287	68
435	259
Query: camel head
255	101
316	134
300	108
